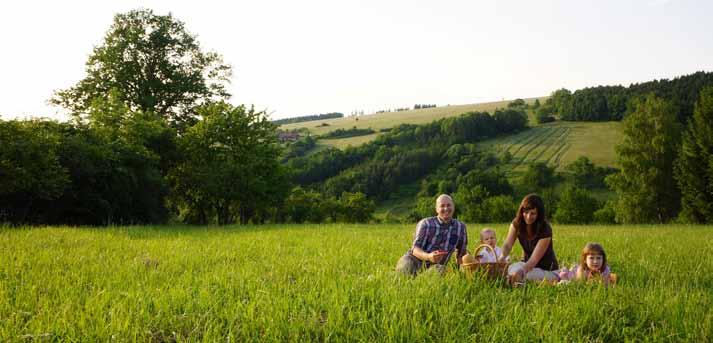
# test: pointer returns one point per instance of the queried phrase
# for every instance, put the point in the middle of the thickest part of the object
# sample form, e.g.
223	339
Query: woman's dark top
548	260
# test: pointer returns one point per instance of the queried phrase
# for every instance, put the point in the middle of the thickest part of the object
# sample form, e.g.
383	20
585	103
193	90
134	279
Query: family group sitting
437	238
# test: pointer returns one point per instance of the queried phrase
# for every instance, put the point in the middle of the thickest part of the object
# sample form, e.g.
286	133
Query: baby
487	236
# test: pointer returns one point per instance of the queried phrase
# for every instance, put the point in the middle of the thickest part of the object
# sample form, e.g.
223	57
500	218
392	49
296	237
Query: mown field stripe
533	146
552	141
562	145
539	132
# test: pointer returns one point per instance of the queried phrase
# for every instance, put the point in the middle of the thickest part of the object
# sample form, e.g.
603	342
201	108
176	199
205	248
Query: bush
499	209
576	206
606	214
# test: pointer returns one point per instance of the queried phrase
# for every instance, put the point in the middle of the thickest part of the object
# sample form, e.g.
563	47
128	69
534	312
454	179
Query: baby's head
487	236
594	258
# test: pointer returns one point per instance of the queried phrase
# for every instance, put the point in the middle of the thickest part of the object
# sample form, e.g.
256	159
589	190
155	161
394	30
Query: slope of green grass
391	119
336	283
560	143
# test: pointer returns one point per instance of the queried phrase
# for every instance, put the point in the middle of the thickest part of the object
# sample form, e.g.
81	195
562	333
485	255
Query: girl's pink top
572	274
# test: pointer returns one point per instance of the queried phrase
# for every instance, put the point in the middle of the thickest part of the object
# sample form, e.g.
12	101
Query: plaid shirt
432	234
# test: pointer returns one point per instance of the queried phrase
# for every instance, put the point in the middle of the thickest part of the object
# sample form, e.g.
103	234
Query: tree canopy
694	170
230	166
646	188
154	65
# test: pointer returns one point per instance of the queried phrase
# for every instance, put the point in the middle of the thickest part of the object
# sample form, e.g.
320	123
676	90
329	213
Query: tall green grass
336	283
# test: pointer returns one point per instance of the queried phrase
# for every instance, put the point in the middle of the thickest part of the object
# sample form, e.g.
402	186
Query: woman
534	233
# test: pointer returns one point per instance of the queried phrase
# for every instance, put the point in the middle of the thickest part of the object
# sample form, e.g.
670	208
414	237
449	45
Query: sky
294	58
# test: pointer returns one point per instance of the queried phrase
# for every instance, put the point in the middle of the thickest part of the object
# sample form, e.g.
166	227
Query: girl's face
530	216
594	262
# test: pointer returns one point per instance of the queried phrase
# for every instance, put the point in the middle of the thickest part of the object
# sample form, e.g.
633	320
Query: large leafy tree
154	64
646	187
694	172
231	166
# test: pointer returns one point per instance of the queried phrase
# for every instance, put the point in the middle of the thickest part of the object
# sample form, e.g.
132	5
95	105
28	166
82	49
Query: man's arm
425	256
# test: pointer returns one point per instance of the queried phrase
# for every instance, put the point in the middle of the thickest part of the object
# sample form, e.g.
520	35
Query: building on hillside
288	136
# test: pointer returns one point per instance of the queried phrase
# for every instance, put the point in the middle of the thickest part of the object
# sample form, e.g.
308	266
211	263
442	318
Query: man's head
445	207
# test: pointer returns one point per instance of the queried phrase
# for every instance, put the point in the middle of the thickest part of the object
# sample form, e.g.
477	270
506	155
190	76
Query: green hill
388	120
559	143
556	144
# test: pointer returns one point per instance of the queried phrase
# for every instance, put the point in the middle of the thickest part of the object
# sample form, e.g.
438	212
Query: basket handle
478	248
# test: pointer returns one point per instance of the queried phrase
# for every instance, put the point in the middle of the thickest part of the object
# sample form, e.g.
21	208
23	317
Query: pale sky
308	57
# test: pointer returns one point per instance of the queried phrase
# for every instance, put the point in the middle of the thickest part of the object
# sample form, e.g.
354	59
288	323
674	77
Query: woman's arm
509	241
537	254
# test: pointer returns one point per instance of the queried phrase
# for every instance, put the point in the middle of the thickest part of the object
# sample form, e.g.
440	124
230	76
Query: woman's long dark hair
529	202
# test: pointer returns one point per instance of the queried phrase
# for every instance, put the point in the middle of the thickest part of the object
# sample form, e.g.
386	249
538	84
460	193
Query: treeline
346	133
152	139
665	173
313	117
604	103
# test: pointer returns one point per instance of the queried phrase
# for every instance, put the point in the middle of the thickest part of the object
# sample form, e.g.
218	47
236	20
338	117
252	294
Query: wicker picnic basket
491	270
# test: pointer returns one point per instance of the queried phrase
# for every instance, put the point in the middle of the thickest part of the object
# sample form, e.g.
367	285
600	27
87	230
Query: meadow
336	283
377	121
560	143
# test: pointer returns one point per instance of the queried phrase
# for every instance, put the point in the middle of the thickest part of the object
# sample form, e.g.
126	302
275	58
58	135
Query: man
435	241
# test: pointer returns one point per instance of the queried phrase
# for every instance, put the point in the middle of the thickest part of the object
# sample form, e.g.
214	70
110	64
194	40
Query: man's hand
437	256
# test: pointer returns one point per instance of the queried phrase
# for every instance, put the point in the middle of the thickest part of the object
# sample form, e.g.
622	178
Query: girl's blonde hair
593	249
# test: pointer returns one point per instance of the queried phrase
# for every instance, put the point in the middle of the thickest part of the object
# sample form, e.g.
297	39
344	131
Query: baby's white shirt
487	257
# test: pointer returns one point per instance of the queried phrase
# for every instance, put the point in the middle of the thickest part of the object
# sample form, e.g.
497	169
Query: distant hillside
391	119
560	143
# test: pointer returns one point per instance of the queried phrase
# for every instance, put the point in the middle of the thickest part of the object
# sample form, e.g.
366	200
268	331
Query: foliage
303	205
298	148
230	167
694	170
586	175
357	207
606	214
518	104
313	117
576	206
510	120
645	186
603	103
155	65
30	169
538	175
106	172
342	133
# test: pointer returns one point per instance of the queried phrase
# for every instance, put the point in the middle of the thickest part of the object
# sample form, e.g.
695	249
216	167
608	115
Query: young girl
592	266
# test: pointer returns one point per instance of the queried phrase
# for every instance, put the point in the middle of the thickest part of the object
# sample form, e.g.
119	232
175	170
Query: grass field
335	283
560	143
391	119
